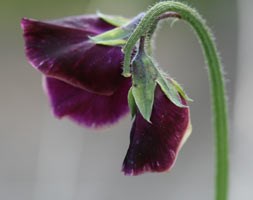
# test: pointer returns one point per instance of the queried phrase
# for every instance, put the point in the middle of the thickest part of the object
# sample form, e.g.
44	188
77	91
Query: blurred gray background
42	158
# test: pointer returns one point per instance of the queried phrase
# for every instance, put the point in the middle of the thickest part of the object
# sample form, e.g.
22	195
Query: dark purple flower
62	49
83	79
83	82
154	146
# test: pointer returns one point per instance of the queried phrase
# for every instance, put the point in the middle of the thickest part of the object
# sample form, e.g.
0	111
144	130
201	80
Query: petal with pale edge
62	49
154	146
87	108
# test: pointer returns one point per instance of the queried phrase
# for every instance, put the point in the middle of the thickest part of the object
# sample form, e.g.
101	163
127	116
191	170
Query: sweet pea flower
154	146
161	122
82	79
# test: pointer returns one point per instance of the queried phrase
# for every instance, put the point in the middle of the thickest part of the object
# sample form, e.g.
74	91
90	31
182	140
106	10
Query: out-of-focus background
42	158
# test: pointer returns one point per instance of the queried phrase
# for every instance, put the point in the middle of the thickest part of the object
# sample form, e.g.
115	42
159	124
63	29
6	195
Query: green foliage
113	20
144	77
114	37
131	103
170	90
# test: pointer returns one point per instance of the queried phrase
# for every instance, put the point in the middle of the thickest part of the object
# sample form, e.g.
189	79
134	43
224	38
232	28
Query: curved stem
215	76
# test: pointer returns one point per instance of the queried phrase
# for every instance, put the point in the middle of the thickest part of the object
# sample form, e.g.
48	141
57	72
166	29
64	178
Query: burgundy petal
62	49
87	108
154	147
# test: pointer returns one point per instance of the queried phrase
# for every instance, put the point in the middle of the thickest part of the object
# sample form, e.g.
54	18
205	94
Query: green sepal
169	90
114	37
131	103
119	35
112	19
144	76
180	90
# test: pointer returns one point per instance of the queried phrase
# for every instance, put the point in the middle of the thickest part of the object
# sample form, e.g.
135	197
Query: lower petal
87	108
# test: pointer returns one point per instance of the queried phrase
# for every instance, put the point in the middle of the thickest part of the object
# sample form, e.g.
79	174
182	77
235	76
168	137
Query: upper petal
62	49
154	146
87	108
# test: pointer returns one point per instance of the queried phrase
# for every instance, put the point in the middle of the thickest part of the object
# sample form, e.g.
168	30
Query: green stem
215	76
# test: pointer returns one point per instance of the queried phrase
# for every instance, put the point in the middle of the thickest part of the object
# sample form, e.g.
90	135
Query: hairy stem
219	106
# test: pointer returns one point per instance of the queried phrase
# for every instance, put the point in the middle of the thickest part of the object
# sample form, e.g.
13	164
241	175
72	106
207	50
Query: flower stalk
212	58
